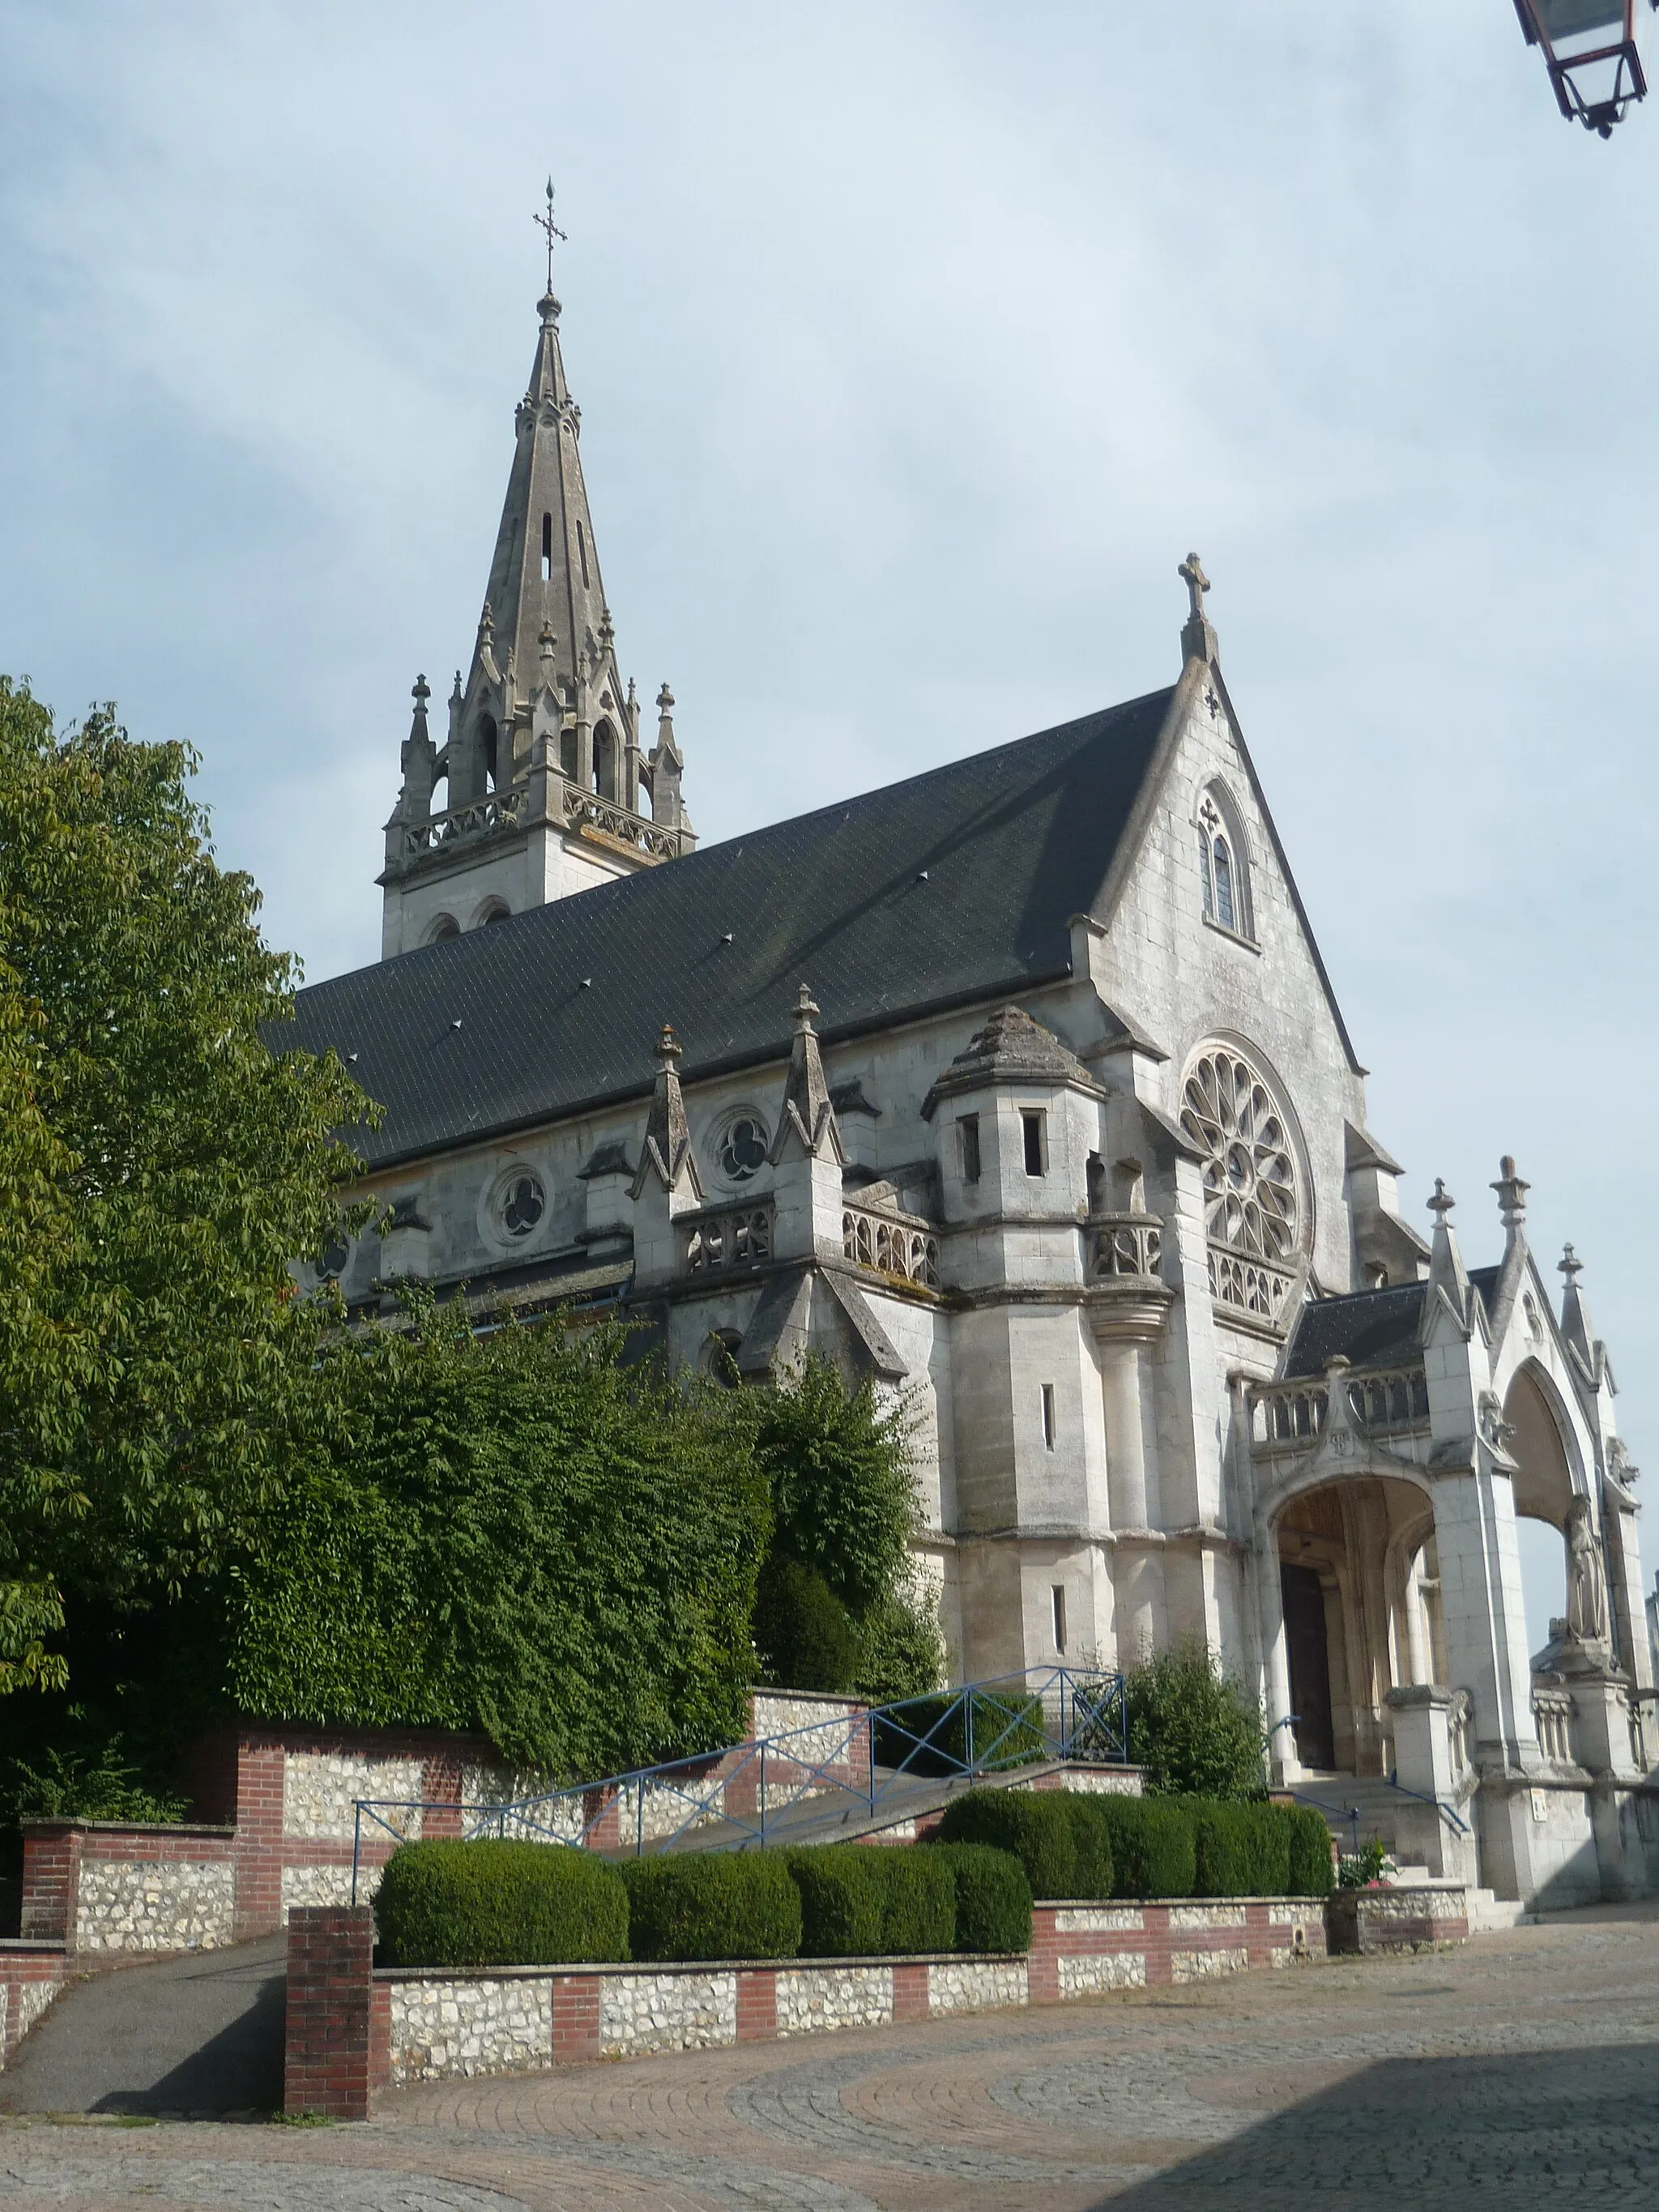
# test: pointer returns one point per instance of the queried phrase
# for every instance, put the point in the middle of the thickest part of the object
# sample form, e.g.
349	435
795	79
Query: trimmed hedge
1154	1846
994	1899
713	1905
1092	1839
1013	1724
864	1900
1240	1850
496	1904
1036	1827
1312	1874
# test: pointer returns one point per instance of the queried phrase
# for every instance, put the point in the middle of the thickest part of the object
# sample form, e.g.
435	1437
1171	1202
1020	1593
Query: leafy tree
159	1169
841	1473
522	1532
1193	1727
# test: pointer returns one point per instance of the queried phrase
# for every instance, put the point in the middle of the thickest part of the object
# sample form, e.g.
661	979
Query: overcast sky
914	347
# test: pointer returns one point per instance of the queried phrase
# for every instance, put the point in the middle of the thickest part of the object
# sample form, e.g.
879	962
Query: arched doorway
1543	1490
1355	1558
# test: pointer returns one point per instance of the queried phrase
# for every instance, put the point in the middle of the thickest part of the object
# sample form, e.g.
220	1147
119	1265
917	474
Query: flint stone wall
320	1790
976	1985
813	1999
1207	1966
442	2029
642	2012
1103	1970
155	1905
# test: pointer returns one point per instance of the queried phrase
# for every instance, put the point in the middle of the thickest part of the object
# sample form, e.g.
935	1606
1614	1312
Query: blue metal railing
1352	1814
866	1756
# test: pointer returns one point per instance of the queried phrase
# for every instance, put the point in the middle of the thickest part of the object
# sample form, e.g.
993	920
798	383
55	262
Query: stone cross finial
1192	573
1441	1204
1570	1265
421	694
456	693
805	1008
668	1049
1511	1195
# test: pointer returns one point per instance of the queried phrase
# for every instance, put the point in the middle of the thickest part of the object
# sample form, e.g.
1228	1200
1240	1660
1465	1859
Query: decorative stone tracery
1252	1211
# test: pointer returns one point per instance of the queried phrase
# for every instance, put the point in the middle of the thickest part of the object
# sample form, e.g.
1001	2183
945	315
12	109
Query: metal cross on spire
545	223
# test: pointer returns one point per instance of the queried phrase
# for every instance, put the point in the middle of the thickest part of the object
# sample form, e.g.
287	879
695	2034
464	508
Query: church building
1019	1086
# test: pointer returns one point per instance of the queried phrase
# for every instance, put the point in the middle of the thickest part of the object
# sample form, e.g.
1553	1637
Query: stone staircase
1377	1802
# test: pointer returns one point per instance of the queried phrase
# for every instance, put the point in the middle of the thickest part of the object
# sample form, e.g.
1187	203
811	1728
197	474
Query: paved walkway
1522	2070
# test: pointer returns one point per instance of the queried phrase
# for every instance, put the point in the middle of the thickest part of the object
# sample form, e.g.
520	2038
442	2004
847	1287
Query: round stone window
520	1203
743	1147
1250	1198
332	1260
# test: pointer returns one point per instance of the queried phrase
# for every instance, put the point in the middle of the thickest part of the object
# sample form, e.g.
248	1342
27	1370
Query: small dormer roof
1012	1048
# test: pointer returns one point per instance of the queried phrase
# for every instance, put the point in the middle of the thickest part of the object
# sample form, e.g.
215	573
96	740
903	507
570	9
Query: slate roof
497	1030
1370	1328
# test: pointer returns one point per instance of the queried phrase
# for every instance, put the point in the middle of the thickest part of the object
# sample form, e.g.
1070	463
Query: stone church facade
1020	1087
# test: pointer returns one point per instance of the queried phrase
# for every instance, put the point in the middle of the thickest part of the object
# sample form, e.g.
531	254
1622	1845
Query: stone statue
1587	1594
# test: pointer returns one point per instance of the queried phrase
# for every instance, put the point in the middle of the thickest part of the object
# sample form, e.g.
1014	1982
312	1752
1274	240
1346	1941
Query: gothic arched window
604	763
1223	870
486	745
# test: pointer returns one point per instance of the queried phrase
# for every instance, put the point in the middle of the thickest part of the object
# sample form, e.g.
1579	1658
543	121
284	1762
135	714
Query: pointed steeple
667	1153
1447	1272
1575	1314
807	1112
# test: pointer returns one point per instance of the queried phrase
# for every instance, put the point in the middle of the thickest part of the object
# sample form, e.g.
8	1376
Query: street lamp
1589	50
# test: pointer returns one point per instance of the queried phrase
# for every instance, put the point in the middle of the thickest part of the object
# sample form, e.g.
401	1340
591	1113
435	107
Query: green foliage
523	1533
803	1633
869	1900
919	1900
1359	1869
901	1648
99	1783
841	1900
842	1486
1092	1841
1193	1728
1311	1873
1240	1850
159	1168
927	1737
1036	1827
713	1905
839	1609
993	1897
496	1904
1154	1846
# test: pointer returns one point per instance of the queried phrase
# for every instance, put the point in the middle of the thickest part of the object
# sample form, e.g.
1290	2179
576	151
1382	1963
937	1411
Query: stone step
1489	1915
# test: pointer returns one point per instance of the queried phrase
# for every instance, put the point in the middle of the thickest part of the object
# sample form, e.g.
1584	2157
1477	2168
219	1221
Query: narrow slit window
968	1126
581	548
1048	1415
1057	1600
1031	1128
1204	871
547	549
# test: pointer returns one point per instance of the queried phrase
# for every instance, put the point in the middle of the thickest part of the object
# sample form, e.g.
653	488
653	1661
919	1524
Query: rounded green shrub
1092	1839
1154	1846
1240	1850
712	1905
493	1904
918	1901
1311	1873
803	1632
992	1897
841	1900
1193	1727
1037	1828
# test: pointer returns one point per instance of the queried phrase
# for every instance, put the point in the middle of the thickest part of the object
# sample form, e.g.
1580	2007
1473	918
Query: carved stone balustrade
1253	1288
1390	1406
1124	1244
891	1245
585	809
1286	1414
503	810
741	1237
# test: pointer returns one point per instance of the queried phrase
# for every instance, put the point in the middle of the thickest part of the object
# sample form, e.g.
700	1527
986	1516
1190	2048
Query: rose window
1250	1204
522	1202
743	1148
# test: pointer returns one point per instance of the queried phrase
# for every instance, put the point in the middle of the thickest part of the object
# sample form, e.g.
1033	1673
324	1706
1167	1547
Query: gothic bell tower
540	786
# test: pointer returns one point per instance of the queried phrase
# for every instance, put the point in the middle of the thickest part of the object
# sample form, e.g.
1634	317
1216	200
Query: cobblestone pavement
1521	2069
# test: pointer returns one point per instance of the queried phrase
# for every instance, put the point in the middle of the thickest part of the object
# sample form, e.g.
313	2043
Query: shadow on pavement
1571	2126
200	2036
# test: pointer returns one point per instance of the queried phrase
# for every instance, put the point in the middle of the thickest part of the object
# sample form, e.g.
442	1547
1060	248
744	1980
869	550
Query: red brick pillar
52	1880
259	1837
334	2060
